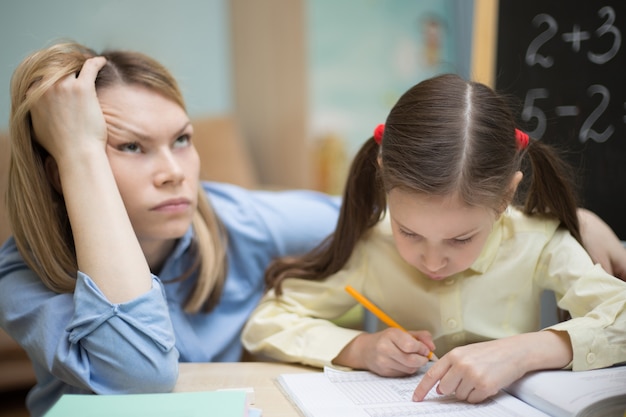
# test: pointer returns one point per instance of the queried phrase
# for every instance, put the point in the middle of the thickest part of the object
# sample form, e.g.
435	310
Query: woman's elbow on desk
160	377
150	376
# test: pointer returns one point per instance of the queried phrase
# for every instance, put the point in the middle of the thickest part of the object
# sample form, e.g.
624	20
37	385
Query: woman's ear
52	170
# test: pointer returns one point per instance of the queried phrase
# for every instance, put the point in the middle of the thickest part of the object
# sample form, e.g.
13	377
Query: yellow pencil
379	313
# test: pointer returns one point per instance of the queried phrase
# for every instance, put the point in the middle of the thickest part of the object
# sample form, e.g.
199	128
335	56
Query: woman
122	264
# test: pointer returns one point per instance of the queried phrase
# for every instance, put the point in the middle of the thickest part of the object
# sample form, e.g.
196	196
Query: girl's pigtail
363	206
552	189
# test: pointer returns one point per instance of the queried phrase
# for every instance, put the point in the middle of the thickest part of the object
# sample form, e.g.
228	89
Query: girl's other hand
68	116
478	371
473	372
391	352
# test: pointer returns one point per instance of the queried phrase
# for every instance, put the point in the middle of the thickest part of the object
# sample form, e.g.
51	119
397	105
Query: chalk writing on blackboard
575	37
565	62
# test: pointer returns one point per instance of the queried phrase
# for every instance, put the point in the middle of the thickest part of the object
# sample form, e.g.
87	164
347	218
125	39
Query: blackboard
564	61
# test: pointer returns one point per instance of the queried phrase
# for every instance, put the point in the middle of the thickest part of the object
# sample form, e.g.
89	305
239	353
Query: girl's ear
515	181
517	178
52	170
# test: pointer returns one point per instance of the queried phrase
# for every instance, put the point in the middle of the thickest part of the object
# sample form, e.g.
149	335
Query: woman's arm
602	244
114	333
298	220
68	122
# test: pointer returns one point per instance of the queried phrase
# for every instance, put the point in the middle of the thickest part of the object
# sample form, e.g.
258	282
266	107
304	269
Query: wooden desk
258	375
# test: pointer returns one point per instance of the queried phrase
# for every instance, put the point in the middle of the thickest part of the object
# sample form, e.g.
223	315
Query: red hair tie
522	139
378	133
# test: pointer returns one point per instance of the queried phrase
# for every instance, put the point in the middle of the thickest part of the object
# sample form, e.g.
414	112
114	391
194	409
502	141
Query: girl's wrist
548	349
350	356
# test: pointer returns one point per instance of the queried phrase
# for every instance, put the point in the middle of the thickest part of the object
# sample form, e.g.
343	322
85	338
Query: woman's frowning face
154	162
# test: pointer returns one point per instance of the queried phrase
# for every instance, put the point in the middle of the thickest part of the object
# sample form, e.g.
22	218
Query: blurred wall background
189	36
306	80
362	55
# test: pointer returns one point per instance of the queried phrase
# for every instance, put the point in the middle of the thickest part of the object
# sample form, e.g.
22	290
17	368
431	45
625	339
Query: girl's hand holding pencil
422	336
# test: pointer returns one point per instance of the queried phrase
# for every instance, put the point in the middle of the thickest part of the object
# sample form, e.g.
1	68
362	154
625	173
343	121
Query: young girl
454	260
122	264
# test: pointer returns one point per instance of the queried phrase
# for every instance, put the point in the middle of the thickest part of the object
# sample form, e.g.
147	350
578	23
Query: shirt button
591	357
449	281
452	323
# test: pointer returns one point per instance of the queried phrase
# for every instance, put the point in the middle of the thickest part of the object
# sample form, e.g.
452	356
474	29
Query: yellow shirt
498	296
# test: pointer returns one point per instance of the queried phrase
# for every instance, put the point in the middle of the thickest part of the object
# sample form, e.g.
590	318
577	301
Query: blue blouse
82	343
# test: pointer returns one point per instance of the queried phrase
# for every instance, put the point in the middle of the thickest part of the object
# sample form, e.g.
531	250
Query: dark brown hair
444	136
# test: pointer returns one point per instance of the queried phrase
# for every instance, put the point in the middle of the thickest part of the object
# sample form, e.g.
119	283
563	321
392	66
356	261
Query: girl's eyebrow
459	236
467	234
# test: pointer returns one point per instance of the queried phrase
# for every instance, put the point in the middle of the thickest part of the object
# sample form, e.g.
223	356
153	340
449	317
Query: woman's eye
130	147
182	141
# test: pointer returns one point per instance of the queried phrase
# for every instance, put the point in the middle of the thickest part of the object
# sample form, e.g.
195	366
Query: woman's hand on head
68	118
391	352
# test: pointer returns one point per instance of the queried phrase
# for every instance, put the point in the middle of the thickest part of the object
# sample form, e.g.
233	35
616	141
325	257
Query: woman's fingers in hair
91	67
69	111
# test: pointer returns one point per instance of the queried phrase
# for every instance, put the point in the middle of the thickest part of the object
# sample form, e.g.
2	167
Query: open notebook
335	393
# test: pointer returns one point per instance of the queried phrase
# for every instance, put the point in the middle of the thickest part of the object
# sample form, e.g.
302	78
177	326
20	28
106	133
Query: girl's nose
433	260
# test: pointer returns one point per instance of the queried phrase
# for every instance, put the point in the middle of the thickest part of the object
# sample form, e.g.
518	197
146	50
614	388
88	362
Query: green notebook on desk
180	404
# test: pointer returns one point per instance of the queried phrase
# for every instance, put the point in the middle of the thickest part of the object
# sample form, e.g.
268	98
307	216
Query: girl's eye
131	147
182	141
408	234
462	241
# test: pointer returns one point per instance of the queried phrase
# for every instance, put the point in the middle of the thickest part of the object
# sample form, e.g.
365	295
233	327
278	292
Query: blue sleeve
290	222
122	347
297	220
84	340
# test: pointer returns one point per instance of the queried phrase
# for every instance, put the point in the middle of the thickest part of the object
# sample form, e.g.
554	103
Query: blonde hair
37	213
